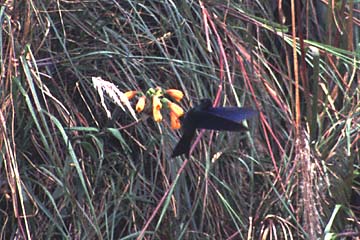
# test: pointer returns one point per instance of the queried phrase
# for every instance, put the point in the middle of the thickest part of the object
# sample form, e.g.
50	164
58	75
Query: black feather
204	116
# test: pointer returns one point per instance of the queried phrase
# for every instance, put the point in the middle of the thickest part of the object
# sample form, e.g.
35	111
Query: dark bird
204	116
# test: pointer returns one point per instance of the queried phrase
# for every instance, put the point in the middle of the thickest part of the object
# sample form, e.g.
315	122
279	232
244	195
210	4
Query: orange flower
140	104
174	121
130	94
175	94
175	109
156	108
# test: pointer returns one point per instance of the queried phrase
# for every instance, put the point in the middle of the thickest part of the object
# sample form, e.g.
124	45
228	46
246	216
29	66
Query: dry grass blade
114	93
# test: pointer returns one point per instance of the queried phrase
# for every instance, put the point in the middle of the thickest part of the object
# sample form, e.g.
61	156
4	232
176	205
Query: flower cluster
159	98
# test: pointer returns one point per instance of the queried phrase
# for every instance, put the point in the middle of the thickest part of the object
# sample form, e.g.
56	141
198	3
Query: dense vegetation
69	170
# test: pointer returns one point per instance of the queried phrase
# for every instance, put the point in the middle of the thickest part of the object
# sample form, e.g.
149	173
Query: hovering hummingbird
204	116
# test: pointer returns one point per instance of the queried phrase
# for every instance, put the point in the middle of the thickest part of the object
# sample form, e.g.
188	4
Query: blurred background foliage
68	171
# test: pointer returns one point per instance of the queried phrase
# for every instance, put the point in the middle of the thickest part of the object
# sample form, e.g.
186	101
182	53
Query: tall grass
69	171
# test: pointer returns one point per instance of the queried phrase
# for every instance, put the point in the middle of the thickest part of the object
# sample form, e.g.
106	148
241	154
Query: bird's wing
224	118
235	114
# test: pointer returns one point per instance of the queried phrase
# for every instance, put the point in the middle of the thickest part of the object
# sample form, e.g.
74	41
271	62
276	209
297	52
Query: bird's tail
183	146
